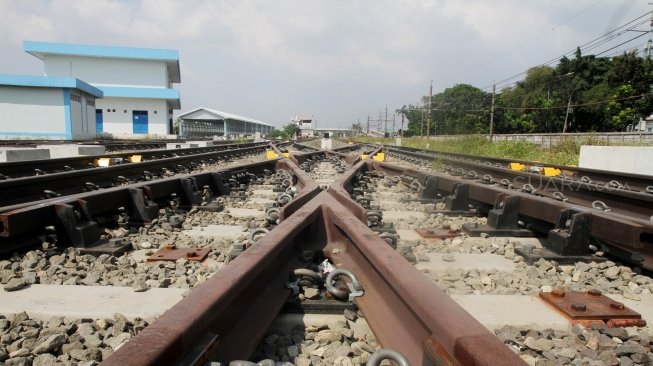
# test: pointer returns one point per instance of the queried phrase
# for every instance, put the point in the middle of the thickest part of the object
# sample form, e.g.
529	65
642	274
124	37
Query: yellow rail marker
550	172
270	154
517	166
103	162
363	157
379	157
135	158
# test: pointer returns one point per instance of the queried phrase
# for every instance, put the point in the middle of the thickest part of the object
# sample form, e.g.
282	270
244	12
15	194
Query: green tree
291	130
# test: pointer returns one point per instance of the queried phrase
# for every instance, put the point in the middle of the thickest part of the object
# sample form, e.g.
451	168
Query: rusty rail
225	318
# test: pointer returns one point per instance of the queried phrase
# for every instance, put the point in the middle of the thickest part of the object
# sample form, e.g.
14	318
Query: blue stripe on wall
66	108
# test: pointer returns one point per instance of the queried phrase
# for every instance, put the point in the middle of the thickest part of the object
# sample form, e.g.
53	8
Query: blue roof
172	95
39	49
49	82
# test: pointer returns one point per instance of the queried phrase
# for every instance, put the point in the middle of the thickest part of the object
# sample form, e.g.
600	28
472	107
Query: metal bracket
142	212
80	230
190	196
222	187
502	220
571	235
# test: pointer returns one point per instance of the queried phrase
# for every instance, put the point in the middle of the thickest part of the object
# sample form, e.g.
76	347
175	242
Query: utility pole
649	44
564	127
421	131
402	126
385	127
393	124
428	123
494	89
368	124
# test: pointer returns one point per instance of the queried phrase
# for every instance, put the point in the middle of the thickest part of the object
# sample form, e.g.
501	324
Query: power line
536	37
592	44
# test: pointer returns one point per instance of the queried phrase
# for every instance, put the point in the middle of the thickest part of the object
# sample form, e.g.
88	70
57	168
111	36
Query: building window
108	110
125	111
90	102
76	98
113	110
154	112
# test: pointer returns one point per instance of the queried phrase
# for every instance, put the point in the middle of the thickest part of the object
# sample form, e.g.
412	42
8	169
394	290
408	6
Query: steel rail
20	169
630	181
225	318
623	236
31	189
618	200
24	225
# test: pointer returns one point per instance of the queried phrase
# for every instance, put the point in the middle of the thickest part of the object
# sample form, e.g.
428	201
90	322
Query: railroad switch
592	308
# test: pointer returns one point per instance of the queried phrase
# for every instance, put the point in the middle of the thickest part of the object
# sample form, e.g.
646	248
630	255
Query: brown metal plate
437	233
172	253
592	306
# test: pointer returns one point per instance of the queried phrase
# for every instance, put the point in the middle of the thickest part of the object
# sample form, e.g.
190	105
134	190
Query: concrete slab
408	234
396	215
260	200
71	150
181	145
625	159
216	231
263	192
495	311
245	212
9	154
45	301
467	262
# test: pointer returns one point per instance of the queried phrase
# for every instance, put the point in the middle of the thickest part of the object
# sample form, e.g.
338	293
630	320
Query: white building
204	122
305	123
42	107
138	98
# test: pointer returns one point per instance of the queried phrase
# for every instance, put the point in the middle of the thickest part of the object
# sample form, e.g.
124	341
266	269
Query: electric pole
564	127
368	124
385	127
402	126
428	123
494	89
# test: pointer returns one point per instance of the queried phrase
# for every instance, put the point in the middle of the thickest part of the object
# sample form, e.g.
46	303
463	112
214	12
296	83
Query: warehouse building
43	107
136	83
205	122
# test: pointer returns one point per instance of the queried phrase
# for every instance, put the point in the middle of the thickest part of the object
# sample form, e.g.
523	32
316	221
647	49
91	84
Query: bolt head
594	293
578	307
558	293
617	306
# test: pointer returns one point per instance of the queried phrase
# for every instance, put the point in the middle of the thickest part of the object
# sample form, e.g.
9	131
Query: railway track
321	211
613	220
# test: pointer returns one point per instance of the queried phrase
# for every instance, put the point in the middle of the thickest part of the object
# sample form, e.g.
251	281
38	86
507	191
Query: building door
139	122
99	120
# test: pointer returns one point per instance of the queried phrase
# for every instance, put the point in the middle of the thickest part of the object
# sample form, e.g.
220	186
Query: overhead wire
588	46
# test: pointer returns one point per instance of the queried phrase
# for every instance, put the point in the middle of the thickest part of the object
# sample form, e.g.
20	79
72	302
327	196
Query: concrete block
624	159
200	143
65	151
245	212
179	145
45	301
9	154
466	262
495	311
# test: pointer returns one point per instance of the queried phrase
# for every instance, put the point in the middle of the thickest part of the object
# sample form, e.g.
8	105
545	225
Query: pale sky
337	60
